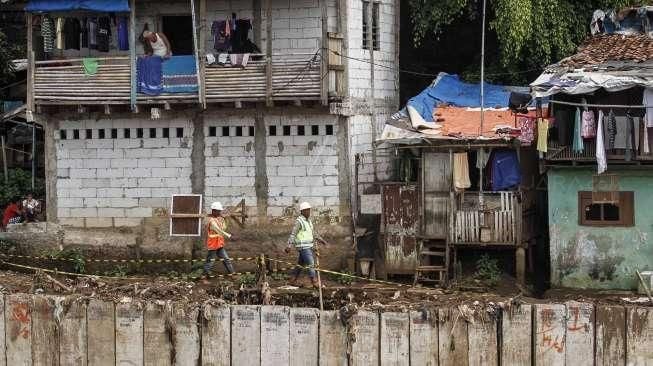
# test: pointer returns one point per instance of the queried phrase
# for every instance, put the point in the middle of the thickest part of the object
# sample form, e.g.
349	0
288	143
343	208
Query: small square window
152	133
315	130
286	130
166	133
329	129
251	130
239	131
180	132
139	133
213	131
225	130
89	134
62	134
273	130
606	212
300	131
101	133
128	133
114	133
75	134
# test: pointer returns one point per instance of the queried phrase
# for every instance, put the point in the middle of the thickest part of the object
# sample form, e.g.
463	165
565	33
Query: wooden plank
275	335
45	338
129	334
245	335
100	322
364	327
639	339
324	69
3	347
216	336
610	335
395	347
452	337
423	338
30	62
304	336
186	336
516	342
579	340
482	340
157	342
268	53
550	334
18	318
73	335
333	339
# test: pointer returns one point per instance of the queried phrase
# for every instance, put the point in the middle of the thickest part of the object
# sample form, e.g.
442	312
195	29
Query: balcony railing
565	153
496	224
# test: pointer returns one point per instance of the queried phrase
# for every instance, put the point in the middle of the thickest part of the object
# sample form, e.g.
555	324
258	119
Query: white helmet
216	206
304	206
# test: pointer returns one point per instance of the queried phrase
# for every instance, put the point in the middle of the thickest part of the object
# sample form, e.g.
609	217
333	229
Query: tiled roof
606	48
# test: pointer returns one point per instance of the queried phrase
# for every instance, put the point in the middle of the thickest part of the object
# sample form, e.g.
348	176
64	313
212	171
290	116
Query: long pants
305	259
221	253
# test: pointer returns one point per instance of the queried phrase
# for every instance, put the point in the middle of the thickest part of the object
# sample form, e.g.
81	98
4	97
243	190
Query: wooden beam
268	53
342	29
132	54
202	52
257	23
324	70
198	73
30	63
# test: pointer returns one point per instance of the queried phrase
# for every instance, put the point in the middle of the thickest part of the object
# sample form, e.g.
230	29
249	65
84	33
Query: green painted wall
592	257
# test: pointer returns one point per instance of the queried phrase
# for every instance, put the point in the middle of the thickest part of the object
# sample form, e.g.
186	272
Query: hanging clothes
221	32
149	72
48	34
578	145
90	66
103	34
461	171
601	162
506	172
92	33
646	148
123	34
648	102
84	30
239	60
564	125
527	127
59	32
542	134
611	129
482	158
239	38
588	129
72	32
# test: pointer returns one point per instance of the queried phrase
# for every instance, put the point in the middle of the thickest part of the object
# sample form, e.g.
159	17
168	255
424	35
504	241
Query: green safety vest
304	237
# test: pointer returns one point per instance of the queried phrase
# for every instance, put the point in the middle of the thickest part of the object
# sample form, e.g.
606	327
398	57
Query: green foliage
18	185
247	279
74	256
344	278
279	276
118	271
7	54
531	33
487	270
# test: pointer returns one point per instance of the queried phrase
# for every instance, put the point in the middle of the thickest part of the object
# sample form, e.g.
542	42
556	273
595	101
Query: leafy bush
18	185
73	255
487	270
247	279
343	278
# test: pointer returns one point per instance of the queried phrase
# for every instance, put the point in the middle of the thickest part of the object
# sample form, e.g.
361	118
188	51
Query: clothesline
624	106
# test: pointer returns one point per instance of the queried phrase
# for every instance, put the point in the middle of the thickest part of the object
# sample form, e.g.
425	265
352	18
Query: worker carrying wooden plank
216	227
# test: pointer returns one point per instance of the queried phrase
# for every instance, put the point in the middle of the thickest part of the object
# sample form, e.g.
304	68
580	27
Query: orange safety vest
215	240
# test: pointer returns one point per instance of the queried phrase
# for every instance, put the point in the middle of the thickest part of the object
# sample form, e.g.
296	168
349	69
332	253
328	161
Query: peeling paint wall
598	257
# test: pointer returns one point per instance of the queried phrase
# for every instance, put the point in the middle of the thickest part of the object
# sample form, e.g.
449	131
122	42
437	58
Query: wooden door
436	172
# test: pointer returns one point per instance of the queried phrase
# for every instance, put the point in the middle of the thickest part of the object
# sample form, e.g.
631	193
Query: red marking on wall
20	314
575	326
556	343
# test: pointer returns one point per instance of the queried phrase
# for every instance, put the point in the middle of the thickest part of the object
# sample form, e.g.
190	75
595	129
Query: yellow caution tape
102	260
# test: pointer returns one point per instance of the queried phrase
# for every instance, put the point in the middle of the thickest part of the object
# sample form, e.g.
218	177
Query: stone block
151	163
292	171
110	153
151	182
99	144
83	173
97	163
95	222
69	183
243	181
95	183
218	161
63	192
156	143
111	212
83	192
128	143
63	212
325	191
71	222
124	182
124	163
109	193
97	202
138	192
295	191
70	202
164	192
124	202
154	202
323	170
63	173
218	181
279	161
177	162
110	173
165	172
70	163
139	153
280	181
139	212
168	152
83	212
127	222
236	171
138	172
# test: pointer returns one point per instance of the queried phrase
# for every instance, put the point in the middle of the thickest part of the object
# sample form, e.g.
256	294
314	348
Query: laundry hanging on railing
233	36
149	74
179	74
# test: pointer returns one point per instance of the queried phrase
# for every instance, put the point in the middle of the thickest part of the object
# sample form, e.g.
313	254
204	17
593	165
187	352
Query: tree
530	34
7	55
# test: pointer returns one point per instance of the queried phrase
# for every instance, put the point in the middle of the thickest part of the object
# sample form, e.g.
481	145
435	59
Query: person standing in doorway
302	238
159	43
216	228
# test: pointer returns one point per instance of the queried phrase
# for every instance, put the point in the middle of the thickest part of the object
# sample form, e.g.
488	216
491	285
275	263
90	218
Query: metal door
436	170
399	226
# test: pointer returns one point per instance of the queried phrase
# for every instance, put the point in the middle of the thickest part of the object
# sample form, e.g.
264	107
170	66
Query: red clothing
10	212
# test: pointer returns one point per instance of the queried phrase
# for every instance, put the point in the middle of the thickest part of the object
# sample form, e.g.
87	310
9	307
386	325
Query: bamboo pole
268	52
4	156
132	54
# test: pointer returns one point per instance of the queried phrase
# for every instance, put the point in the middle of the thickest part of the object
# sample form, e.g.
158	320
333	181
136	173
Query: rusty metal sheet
610	335
400	223
186	204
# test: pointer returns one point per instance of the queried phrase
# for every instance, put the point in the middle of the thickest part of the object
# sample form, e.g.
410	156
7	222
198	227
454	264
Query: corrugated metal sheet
399	225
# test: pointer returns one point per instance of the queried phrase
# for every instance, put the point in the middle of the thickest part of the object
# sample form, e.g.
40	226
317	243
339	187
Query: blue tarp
449	89
105	6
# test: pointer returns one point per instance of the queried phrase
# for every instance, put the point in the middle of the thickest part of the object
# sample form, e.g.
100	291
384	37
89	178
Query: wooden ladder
433	262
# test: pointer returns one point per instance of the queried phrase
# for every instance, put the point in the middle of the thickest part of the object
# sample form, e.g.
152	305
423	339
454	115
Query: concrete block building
280	129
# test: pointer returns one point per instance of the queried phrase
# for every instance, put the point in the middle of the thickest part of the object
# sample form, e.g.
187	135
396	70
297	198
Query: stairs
433	264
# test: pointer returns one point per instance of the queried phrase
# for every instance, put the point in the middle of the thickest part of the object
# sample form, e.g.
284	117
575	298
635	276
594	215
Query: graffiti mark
20	314
557	343
547	316
575	326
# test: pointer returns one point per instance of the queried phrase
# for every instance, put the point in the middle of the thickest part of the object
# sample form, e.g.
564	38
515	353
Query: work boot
315	282
294	281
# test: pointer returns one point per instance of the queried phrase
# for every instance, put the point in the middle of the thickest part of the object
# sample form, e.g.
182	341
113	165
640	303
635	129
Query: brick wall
108	176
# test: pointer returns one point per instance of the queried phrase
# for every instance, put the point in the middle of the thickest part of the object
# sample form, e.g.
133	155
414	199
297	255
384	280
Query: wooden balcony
497	223
565	153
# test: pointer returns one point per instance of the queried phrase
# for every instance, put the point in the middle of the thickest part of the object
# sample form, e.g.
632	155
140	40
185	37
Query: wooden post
30	63
257	22
344	50
324	70
33	155
132	54
4	155
201	72
197	56
268	53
